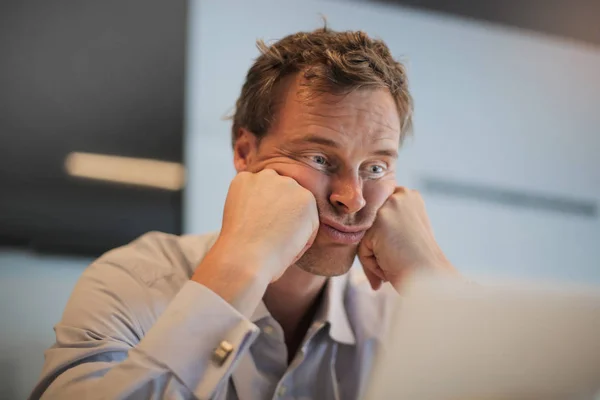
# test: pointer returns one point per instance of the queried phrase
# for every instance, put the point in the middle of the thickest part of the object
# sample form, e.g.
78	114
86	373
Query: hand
400	241
269	219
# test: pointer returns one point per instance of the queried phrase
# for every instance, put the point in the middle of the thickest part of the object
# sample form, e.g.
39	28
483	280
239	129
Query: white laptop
454	340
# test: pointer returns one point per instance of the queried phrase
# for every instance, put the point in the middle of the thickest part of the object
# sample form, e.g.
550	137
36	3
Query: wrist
440	263
237	277
259	260
433	263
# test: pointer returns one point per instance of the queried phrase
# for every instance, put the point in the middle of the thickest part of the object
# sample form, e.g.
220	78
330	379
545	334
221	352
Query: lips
342	234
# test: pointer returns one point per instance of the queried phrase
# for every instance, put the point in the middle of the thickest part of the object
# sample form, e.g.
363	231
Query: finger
401	189
370	265
373	266
373	279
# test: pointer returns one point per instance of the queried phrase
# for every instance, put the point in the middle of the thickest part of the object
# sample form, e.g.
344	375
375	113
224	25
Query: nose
347	194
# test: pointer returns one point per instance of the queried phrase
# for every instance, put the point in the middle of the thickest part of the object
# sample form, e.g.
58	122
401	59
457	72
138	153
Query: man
266	308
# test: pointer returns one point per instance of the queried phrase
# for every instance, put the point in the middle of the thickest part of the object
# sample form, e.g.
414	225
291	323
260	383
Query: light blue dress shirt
136	327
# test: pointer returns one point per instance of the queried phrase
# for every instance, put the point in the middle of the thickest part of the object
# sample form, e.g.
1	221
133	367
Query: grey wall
33	292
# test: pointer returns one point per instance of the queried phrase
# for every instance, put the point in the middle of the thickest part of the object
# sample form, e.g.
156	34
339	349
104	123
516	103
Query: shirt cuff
186	335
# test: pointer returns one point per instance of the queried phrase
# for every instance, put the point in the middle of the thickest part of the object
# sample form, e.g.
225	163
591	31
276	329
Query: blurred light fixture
132	170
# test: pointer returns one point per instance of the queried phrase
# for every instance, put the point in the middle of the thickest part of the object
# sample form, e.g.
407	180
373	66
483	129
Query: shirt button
268	330
281	391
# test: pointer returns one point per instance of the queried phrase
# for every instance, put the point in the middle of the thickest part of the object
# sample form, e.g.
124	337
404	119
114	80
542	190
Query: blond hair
331	62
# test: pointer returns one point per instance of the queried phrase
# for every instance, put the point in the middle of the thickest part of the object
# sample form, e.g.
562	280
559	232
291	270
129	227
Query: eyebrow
315	139
323	141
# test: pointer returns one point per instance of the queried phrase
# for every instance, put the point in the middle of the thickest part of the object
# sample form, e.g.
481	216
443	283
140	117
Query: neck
293	300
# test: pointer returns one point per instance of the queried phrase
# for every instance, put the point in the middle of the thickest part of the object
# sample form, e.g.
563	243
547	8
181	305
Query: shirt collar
260	312
331	311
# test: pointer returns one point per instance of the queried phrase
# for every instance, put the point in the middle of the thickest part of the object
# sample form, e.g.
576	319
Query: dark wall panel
89	76
574	19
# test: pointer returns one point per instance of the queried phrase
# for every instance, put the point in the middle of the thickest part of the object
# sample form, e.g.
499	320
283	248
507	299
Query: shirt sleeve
102	351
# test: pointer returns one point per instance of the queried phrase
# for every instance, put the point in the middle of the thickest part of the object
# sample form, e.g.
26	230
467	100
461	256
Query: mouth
342	234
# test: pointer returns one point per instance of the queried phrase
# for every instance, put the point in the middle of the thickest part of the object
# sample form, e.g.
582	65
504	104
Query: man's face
344	150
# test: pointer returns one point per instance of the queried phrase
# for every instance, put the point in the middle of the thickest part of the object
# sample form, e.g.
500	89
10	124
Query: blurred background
111	125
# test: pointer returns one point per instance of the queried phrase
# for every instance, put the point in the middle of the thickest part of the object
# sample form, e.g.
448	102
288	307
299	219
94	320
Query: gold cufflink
222	352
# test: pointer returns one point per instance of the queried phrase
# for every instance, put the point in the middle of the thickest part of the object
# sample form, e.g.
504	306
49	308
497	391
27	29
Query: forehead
363	115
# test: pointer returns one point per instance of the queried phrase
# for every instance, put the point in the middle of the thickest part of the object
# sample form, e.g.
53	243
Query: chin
327	260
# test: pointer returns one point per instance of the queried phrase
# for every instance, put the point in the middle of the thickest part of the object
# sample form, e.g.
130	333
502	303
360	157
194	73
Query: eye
376	169
320	160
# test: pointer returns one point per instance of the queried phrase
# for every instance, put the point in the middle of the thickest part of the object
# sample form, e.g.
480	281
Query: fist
400	241
269	221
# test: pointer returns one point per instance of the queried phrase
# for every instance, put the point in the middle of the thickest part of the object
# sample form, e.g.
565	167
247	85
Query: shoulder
155	256
127	288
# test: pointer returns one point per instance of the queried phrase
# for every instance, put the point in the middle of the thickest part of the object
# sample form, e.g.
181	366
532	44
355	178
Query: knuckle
242	176
268	172
238	179
288	180
292	184
305	195
417	195
308	199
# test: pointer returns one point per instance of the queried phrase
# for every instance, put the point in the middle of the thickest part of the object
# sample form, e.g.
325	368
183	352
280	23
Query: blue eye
320	160
375	169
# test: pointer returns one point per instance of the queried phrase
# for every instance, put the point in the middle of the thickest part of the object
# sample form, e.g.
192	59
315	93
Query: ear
244	150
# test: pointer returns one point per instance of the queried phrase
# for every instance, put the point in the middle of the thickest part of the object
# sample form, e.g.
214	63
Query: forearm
238	277
137	377
99	354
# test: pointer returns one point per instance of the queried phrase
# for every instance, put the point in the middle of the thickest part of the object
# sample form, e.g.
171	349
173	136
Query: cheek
377	192
309	178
